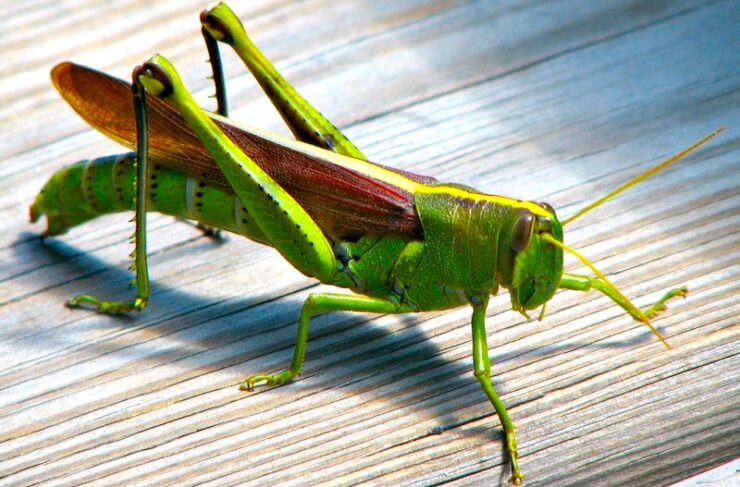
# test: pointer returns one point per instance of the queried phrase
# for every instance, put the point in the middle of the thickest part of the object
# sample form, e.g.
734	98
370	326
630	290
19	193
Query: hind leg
307	124
139	264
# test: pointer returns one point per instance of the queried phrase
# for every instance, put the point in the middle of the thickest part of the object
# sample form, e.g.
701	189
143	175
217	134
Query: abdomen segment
88	189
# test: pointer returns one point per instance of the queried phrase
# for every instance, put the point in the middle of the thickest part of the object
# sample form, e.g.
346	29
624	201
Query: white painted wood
556	101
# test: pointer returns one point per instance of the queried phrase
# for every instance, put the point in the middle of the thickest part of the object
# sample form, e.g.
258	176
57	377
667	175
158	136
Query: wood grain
557	101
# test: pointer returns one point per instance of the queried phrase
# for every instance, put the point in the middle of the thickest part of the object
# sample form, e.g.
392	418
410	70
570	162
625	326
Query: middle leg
482	372
314	305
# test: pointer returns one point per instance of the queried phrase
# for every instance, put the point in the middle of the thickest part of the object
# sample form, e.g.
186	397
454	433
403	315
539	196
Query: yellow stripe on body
360	166
458	192
380	173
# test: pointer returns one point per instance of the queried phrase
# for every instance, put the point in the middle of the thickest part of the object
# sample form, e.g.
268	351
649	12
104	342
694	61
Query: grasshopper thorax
476	243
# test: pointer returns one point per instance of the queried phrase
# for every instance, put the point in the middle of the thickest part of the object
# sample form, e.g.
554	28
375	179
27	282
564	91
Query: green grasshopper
401	242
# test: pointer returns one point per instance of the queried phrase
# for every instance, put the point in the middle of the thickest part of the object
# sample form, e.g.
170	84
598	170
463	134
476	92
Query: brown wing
344	202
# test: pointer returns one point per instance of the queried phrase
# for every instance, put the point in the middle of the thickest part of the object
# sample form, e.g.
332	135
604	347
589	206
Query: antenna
645	175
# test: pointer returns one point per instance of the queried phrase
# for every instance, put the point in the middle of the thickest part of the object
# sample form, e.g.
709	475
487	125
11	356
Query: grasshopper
401	242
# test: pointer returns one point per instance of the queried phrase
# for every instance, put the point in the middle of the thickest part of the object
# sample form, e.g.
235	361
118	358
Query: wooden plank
556	101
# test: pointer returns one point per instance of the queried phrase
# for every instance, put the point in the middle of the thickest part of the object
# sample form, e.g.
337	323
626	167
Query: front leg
285	224
578	282
141	181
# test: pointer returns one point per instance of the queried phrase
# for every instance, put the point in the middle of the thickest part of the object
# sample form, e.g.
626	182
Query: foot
267	380
210	232
679	292
207	230
109	307
516	474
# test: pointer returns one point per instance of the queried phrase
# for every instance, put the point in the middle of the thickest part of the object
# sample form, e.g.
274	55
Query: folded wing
344	201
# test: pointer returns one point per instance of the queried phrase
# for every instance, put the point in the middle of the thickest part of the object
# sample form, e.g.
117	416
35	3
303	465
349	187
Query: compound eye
546	206
522	232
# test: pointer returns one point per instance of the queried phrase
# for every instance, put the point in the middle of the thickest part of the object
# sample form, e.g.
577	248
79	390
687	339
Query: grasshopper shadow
343	351
203	323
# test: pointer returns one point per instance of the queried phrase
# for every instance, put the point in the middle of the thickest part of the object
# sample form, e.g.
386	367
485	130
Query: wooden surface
557	101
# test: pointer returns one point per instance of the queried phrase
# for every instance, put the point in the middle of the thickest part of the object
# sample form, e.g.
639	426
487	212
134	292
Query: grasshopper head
537	264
